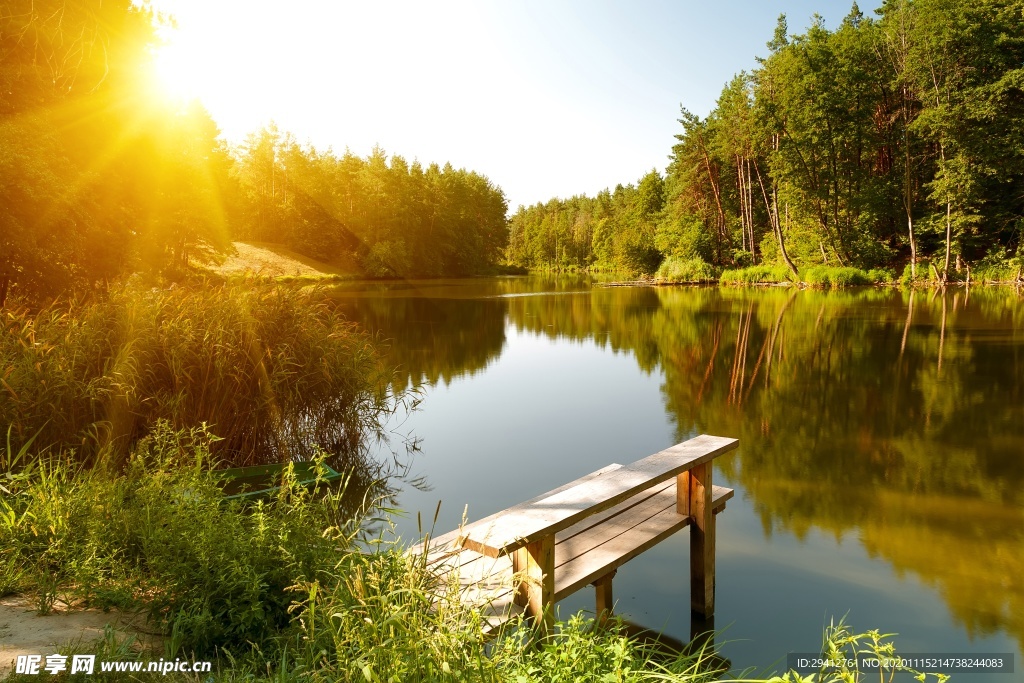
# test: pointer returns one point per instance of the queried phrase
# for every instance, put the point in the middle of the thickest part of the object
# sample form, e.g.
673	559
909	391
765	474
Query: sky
546	98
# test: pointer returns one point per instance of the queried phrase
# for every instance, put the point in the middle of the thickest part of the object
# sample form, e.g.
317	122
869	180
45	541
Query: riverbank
286	590
697	272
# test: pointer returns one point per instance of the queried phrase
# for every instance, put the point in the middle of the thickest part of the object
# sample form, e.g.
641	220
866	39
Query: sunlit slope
275	260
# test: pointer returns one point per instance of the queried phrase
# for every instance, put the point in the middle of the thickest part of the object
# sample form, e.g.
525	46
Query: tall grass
675	269
160	537
271	369
756	275
836	276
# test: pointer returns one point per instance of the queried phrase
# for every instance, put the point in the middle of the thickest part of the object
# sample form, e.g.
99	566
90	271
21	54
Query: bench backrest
524	524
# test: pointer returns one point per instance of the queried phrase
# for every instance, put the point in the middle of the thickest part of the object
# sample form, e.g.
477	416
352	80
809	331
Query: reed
272	370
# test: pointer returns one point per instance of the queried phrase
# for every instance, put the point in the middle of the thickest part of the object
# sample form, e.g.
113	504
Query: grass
760	274
285	590
836	276
271	369
691	270
826	277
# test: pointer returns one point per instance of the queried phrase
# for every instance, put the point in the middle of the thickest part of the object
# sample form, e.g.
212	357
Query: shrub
763	273
161	537
832	276
675	269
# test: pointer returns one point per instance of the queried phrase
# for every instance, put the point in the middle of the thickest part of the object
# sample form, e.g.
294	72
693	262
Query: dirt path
23	632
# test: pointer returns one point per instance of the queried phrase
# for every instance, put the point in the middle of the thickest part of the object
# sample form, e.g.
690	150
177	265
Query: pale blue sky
545	98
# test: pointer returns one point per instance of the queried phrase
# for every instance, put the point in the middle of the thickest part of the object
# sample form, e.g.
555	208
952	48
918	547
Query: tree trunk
949	233
773	216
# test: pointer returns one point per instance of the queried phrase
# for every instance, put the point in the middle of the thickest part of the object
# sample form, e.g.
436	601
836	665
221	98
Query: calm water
880	472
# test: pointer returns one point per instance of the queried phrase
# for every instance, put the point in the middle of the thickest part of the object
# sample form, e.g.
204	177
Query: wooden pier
524	559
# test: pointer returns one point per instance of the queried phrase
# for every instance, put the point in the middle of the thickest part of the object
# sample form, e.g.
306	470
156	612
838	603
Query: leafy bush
675	269
999	267
756	274
832	276
161	537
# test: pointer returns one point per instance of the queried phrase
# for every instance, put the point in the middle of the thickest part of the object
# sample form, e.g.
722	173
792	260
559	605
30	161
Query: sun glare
175	72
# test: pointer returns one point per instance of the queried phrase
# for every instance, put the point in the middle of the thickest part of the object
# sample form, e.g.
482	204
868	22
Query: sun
175	72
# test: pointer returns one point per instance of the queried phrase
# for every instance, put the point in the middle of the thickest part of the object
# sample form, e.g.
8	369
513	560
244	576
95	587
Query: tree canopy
880	143
103	175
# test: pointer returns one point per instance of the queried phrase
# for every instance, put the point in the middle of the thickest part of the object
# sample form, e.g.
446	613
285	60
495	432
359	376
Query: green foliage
688	270
684	237
161	537
396	219
864	146
830	276
848	649
283	589
998	267
756	275
273	370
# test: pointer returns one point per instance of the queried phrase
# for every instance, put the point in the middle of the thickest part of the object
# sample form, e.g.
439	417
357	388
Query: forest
894	142
103	175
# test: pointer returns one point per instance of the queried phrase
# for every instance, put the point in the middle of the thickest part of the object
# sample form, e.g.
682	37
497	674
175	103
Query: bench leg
693	498
536	563
603	590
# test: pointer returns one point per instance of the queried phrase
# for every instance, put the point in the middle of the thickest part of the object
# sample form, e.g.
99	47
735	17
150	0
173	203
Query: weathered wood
518	528
603	596
524	559
534	566
627	506
581	555
454	538
582	564
702	541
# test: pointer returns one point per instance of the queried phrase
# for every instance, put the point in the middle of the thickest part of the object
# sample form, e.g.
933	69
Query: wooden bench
526	558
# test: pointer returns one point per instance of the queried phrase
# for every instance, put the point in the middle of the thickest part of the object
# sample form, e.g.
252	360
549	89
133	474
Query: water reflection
897	417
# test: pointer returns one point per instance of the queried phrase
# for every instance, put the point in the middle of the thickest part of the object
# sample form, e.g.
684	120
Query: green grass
836	277
761	274
691	270
286	590
815	276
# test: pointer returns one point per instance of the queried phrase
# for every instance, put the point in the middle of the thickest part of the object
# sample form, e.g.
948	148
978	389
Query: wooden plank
516	529
569	548
592	521
590	562
455	537
480	583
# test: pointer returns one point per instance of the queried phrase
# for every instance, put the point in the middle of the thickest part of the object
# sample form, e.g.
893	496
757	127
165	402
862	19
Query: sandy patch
272	260
23	632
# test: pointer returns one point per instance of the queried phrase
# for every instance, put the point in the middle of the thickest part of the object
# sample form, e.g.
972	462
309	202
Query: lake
880	473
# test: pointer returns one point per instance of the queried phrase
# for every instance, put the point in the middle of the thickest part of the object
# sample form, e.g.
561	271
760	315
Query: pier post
603	590
693	498
535	563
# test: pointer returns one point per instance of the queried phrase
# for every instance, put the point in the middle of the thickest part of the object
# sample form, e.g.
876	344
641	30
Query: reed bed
272	370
